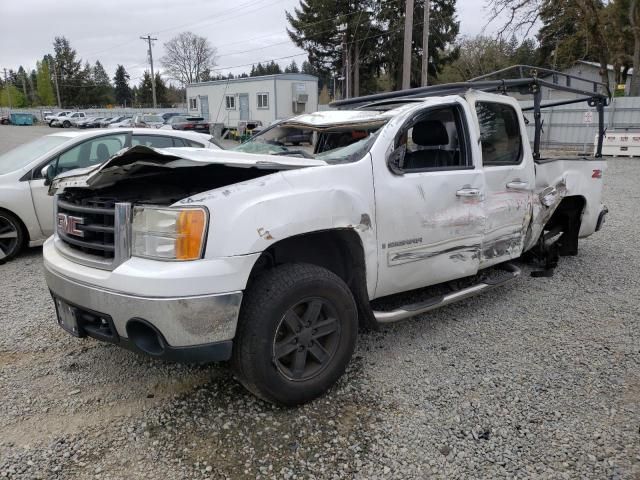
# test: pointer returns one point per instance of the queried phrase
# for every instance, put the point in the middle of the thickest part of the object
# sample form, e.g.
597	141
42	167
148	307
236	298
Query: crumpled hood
131	161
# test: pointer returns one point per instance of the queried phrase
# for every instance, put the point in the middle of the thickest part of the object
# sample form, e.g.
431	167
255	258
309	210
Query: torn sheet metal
543	206
132	160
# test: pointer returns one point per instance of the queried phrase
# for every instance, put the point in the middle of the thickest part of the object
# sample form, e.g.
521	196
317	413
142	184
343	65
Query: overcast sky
244	32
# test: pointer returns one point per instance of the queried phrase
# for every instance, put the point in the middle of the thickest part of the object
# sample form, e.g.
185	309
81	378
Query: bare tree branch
187	56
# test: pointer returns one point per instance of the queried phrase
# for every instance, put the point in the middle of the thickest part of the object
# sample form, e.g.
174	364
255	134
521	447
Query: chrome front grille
93	231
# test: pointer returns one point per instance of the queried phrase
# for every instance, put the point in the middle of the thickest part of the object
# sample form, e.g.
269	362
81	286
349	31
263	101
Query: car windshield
27	153
339	144
152	118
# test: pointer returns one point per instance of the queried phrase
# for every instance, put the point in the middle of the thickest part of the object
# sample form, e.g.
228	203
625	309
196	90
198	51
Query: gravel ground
539	379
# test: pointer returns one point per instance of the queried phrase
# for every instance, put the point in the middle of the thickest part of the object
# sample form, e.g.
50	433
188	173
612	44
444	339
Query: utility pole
55	81
408	34
148	38
6	85
425	43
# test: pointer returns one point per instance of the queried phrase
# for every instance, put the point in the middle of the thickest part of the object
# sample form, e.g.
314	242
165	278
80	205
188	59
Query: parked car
272	257
45	115
5	120
167	115
67	120
91	122
26	208
125	122
107	121
148	120
197	124
50	119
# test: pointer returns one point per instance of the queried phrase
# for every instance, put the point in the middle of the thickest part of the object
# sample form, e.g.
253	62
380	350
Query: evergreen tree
145	92
102	91
161	91
292	68
69	71
122	91
46	95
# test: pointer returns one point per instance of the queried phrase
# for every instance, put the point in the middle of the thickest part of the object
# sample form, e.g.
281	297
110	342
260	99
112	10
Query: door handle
518	185
468	192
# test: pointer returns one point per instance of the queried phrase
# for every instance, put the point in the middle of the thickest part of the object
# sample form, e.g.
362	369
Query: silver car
26	209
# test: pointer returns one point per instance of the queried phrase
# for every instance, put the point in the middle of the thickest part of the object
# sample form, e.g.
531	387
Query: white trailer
266	99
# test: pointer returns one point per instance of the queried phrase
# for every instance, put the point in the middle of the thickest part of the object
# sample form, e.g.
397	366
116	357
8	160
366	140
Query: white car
67	120
26	209
127	122
54	116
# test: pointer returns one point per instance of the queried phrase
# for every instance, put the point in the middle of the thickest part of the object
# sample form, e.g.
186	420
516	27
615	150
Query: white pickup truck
273	256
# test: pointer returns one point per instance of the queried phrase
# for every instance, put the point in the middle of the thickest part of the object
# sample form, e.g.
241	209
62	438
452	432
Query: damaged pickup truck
272	256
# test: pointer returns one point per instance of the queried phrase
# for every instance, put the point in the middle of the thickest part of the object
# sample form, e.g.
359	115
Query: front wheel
66	124
296	334
11	236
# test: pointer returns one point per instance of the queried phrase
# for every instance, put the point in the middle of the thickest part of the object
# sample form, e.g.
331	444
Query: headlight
169	233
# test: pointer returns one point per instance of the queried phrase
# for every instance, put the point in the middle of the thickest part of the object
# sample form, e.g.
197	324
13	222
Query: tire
11	236
66	124
51	124
288	295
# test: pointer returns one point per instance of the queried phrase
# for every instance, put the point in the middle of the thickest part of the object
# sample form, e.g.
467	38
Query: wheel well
568	218
339	251
25	232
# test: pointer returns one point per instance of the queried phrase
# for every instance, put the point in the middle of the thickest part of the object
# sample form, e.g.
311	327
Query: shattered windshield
333	144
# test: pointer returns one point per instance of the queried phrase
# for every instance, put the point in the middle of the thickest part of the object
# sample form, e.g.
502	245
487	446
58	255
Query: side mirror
395	160
48	173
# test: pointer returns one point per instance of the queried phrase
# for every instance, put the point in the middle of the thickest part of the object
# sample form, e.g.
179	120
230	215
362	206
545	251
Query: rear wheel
66	124
297	331
51	124
11	236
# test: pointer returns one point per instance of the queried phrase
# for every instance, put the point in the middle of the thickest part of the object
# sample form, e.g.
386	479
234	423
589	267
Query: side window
435	140
91	152
191	143
499	134
230	102
193	104
155	141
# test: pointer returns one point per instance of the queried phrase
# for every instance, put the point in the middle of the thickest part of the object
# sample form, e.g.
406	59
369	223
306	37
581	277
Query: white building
267	98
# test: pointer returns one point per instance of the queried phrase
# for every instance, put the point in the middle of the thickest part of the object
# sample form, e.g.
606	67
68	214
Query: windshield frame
359	154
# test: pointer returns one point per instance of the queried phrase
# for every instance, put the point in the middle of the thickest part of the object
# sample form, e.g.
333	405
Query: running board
511	273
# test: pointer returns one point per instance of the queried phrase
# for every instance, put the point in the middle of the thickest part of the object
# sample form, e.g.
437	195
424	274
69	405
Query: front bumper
189	329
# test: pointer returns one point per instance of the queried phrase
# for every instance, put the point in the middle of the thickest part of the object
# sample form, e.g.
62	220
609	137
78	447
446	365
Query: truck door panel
429	207
509	179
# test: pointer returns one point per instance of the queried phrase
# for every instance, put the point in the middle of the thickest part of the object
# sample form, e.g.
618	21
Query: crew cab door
85	154
428	193
509	176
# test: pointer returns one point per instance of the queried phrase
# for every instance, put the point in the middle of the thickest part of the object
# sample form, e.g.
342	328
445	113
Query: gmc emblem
69	224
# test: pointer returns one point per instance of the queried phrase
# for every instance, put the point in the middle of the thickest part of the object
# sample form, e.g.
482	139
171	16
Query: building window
193	104
263	100
230	102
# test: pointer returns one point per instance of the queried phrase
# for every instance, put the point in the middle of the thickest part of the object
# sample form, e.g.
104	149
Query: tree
161	90
102	90
292	67
187	57
122	92
68	70
573	19
11	96
45	92
145	91
634	20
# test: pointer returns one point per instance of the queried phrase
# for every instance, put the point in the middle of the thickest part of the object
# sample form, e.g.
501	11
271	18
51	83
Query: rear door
429	188
509	176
